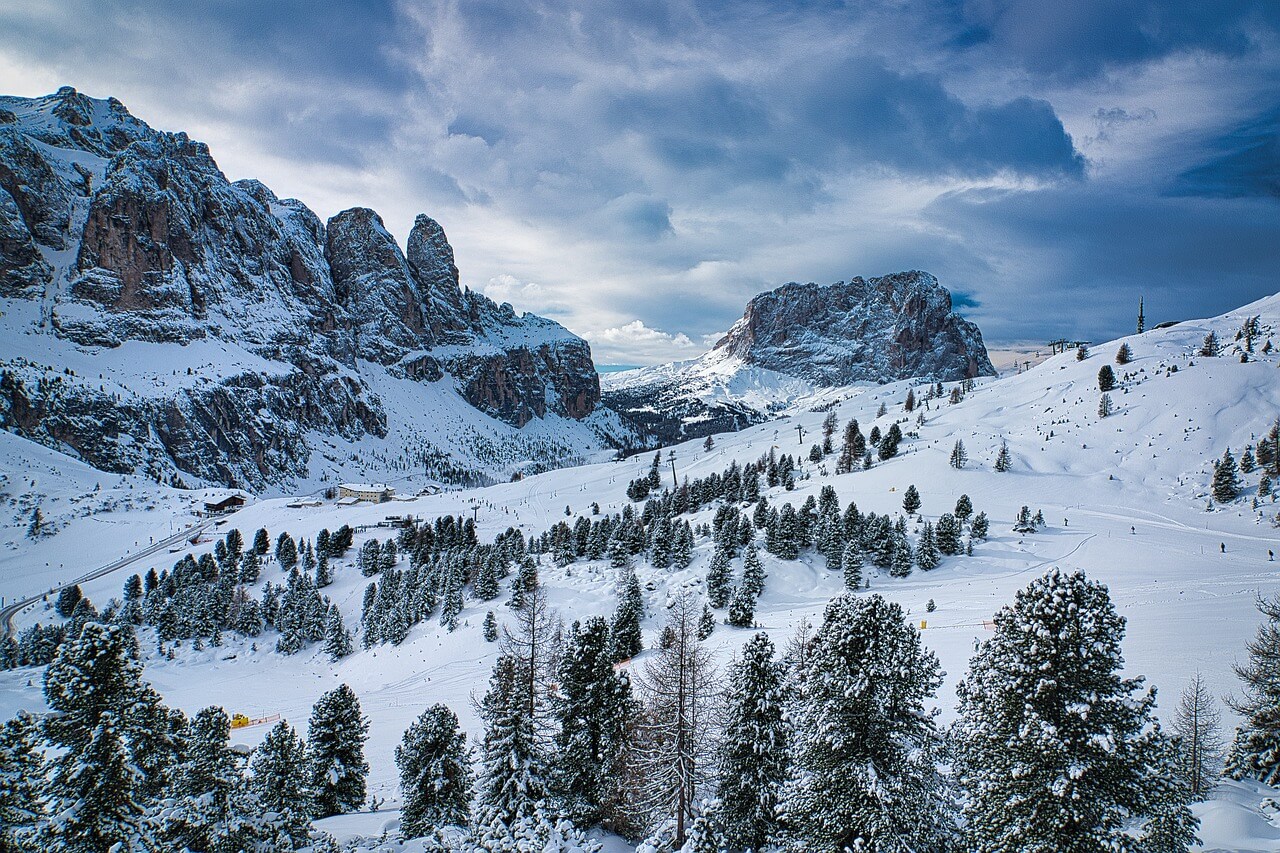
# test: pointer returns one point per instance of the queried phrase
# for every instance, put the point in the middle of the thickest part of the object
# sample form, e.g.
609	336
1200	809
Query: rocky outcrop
875	330
135	236
800	337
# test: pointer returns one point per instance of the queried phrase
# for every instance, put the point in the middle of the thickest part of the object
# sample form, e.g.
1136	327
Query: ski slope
1124	499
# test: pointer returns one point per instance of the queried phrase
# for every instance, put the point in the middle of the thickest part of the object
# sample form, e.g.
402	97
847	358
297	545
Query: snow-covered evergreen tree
21	772
865	748
1226	479
593	709
927	556
92	796
1054	749
753	753
337	639
959	456
1003	459
1255	753
625	638
911	500
513	770
281	780
719	579
851	566
335	752
435	774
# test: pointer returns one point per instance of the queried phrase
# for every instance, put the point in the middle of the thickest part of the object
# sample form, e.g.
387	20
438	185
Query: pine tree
865	747
490	627
625	639
959	456
1055	751
337	639
212	807
753	754
900	562
927	556
36	527
593	710
1124	355
911	500
435	774
286	552
1255	753
719	579
947	534
513	772
851	566
753	575
978	529
1105	407
1210	347
964	509
20	771
1106	378
1198	725
706	623
1226	479
335	752
486	583
1003	460
324	574
742	608
279	772
261	542
68	599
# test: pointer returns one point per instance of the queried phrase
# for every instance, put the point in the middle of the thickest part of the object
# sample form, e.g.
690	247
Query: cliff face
875	330
798	338
115	236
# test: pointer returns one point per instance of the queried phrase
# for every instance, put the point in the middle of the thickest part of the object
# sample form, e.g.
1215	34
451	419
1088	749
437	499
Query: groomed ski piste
1125	498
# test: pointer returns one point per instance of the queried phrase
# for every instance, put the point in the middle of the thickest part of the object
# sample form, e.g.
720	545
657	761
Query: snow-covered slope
797	339
157	318
1124	498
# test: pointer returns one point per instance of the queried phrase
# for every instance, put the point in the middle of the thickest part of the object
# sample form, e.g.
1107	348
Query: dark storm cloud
1084	38
1245	162
651	164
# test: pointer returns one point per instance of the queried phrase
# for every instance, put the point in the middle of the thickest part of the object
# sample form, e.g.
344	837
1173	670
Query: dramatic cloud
652	164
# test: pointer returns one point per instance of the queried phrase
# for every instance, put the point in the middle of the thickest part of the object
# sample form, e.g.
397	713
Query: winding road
12	610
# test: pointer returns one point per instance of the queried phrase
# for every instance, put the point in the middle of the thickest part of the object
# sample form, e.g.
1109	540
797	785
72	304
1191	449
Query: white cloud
523	295
636	343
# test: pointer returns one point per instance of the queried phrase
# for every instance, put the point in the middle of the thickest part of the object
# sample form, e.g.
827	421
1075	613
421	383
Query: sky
638	169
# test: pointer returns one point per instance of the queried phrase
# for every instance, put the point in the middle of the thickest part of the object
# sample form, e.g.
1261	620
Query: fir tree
978	529
1255	754
337	639
335	752
68	599
20	771
1054	749
959	456
261	542
1226	479
1003	460
753	754
286	552
851	566
719	579
593	710
742	608
947	534
753	575
1210	347
865	747
1198	725
911	500
1106	378
36	527
927	556
92	795
435	774
513	772
900	563
964	509
490	627
213	808
1106	408
486	583
1124	355
706	623
624	631
279	772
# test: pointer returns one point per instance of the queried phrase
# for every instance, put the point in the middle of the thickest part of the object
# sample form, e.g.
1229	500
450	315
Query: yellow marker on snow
923	624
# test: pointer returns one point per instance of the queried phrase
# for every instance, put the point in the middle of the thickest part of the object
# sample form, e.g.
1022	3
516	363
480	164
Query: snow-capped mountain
798	339
159	318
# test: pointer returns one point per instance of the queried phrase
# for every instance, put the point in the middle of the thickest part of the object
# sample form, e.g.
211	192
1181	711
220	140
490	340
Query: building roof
366	487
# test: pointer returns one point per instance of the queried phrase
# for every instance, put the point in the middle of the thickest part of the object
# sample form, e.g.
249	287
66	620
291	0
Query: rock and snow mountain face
159	318
798	339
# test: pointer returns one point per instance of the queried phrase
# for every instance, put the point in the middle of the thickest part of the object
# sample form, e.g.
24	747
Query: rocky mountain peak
881	329
431	257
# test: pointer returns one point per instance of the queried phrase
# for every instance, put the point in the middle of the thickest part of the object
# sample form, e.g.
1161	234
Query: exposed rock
800	337
165	250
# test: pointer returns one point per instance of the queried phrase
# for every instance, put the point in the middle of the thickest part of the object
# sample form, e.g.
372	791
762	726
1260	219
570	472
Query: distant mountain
799	338
160	318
